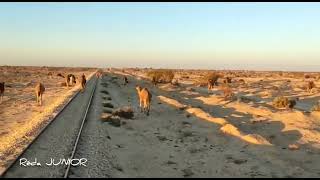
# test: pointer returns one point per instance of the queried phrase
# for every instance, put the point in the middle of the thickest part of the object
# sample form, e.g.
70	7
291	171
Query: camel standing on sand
144	99
39	89
125	79
227	91
154	81
210	84
83	82
1	90
99	74
70	79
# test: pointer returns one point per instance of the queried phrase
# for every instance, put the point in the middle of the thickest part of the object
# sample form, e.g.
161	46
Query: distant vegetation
283	102
161	76
213	76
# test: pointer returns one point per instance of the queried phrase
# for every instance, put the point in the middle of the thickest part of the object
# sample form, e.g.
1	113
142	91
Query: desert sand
193	132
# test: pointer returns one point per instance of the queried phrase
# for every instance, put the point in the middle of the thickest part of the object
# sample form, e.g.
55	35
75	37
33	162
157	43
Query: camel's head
138	88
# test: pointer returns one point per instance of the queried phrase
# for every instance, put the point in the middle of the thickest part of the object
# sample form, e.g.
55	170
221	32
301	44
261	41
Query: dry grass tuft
161	76
125	112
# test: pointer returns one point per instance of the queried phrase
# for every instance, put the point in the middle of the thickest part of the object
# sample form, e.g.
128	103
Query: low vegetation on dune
280	102
213	76
283	102
161	76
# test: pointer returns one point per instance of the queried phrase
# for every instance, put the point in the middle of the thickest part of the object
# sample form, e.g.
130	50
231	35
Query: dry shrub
212	76
307	76
280	102
241	81
111	119
283	102
125	112
203	81
161	76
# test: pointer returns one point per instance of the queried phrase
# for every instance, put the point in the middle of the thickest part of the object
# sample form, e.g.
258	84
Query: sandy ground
265	141
21	118
193	133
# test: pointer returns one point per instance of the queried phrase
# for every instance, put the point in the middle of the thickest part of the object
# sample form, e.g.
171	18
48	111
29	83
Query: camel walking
210	85
39	89
144	99
99	75
70	79
1	90
125	79
83	82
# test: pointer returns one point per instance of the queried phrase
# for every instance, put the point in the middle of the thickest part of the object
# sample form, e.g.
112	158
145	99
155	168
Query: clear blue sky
266	36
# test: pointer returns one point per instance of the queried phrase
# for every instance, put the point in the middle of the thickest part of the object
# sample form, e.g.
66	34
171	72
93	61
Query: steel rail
41	132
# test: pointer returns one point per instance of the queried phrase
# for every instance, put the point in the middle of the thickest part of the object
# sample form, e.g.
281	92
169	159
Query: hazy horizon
238	36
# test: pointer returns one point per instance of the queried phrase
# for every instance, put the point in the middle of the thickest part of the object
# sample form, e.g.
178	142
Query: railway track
80	130
44	130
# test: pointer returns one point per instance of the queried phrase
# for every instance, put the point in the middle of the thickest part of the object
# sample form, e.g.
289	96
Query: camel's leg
144	106
141	110
40	99
37	100
148	108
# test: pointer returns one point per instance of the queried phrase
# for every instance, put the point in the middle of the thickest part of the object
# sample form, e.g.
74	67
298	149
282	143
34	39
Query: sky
211	35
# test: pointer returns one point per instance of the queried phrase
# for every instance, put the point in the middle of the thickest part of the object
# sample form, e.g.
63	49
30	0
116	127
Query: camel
125	79
1	90
39	89
310	86
144	99
83	82
154	81
99	74
227	92
70	79
210	84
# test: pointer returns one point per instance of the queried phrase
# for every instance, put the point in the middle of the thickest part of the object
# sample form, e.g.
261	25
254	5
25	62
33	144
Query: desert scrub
283	102
307	76
161	76
203	81
212	76
280	102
